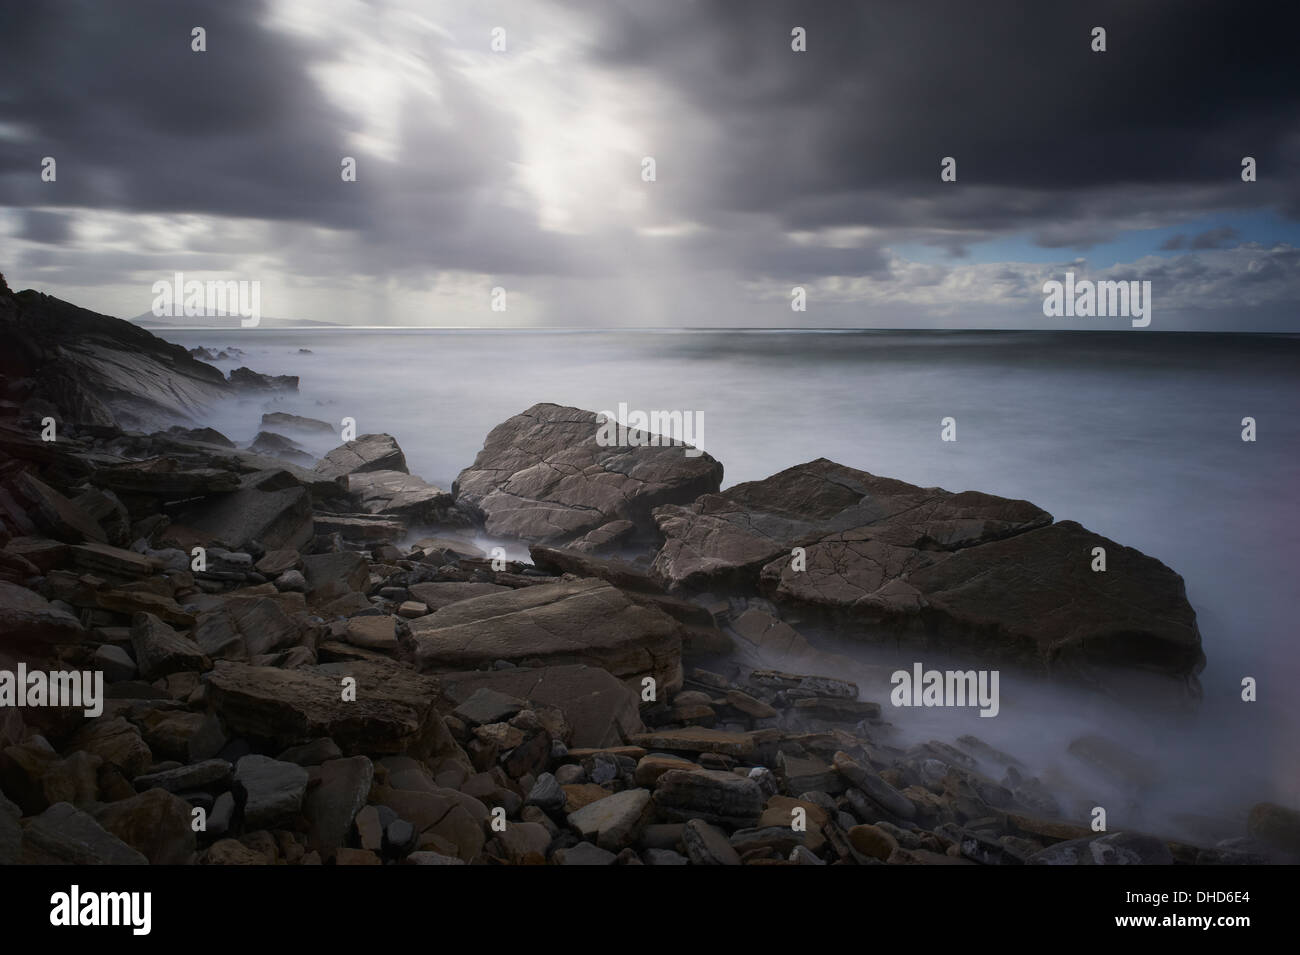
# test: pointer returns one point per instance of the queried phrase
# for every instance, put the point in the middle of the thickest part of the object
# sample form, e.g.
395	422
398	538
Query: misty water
1136	435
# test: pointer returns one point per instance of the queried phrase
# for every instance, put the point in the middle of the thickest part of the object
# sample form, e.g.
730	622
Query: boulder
708	845
731	536
970	571
155	823
393	712
613	823
333	804
542	476
370	452
60	517
398	494
160	650
276	519
269	790
716	797
579	621
64	835
27	617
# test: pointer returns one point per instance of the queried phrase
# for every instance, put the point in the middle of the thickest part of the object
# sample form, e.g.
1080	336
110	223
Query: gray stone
369	452
209	774
271	791
64	835
717	797
332	806
160	650
708	845
613	822
542	476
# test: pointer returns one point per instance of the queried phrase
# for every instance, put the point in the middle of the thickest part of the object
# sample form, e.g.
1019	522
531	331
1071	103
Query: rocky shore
320	661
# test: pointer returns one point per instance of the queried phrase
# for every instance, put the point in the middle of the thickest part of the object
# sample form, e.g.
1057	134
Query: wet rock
27	617
115	662
747	746
313	753
116	742
276	519
605	538
396	493
584	853
373	633
64	835
57	515
1116	848
167	478
270	791
708	845
369	452
580	621
542	477
716	797
613	823
870	783
546	794
211	774
394	710
331	806
155	823
160	650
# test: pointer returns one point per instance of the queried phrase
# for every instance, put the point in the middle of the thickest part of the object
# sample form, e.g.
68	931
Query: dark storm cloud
139	122
853	130
45	227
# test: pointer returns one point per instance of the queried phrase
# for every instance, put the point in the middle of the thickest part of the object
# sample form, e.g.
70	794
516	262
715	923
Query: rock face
542	477
969	570
99	370
580	621
370	452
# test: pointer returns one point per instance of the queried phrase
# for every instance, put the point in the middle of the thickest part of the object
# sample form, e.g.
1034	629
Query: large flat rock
542	477
394	710
969	572
729	537
577	621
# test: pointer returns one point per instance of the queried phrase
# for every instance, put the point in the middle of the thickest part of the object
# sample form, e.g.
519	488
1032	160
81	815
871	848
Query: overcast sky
774	168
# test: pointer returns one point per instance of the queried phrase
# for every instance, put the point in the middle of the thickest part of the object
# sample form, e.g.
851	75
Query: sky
523	168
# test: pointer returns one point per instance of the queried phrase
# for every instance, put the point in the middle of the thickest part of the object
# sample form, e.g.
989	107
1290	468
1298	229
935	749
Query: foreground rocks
327	691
